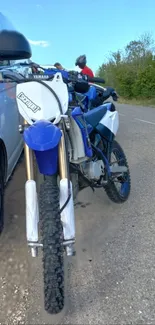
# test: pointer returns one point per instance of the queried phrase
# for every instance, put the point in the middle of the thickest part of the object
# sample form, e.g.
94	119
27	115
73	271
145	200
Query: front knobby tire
52	239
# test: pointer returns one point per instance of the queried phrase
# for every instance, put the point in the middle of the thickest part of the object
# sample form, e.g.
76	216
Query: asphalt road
112	278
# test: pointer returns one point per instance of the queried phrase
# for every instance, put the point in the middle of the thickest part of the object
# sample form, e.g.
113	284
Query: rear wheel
118	188
52	239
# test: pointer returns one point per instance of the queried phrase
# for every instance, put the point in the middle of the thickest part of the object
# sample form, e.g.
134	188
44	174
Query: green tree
132	71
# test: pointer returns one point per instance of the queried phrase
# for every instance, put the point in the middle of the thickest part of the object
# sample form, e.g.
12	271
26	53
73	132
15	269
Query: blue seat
94	116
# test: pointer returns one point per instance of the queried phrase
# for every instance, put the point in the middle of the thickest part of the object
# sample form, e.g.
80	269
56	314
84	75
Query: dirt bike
74	148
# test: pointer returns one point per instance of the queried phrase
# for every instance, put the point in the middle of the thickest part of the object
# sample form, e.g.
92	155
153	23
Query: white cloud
39	43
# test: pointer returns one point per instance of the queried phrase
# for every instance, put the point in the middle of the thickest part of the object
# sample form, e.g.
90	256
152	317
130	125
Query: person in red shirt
81	63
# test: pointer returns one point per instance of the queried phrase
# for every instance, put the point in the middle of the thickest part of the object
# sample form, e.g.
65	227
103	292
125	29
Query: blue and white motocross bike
74	147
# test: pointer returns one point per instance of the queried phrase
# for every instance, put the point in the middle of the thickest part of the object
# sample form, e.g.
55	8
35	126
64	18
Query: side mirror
13	45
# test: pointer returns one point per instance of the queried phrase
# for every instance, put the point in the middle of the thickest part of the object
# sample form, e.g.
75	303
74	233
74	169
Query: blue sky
61	30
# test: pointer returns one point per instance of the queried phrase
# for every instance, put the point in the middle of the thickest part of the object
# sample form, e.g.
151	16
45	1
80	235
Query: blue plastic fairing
42	135
94	116
54	71
91	93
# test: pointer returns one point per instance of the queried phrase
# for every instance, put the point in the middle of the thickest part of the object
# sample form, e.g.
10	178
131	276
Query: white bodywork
36	102
111	121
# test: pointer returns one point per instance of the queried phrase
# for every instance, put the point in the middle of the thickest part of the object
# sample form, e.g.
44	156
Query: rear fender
108	125
43	138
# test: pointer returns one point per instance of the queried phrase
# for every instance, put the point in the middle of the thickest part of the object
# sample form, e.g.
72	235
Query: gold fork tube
62	158
28	161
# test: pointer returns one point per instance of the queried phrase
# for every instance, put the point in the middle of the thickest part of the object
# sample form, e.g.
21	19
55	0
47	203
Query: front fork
32	211
67	214
31	198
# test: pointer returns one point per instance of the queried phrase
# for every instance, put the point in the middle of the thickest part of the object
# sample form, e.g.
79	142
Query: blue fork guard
43	138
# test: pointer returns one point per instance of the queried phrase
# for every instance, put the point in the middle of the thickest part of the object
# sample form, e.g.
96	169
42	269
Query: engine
93	170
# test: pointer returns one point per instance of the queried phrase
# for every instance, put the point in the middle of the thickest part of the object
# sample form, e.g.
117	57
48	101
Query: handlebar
96	79
85	77
65	74
68	76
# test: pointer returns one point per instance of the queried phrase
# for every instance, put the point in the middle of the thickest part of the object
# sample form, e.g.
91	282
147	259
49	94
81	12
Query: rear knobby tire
52	239
111	189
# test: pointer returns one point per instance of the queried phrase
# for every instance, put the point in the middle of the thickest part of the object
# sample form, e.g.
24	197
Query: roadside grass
140	102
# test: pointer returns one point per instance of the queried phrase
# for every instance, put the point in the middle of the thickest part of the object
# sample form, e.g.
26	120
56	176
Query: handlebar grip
96	79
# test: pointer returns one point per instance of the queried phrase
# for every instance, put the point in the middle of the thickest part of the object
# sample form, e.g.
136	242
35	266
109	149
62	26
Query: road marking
144	121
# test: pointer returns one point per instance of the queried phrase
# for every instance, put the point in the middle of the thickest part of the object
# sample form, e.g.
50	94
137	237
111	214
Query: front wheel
52	239
118	189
